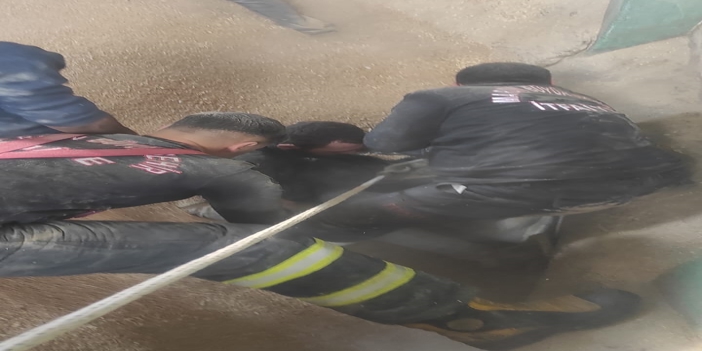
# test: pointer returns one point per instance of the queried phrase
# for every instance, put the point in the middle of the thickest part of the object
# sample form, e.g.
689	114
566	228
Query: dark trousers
293	265
454	206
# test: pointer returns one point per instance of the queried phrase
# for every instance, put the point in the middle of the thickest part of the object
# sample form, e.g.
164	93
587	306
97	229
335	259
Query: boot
495	326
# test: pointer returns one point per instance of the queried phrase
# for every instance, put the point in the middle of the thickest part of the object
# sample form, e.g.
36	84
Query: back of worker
41	189
493	131
506	143
549	134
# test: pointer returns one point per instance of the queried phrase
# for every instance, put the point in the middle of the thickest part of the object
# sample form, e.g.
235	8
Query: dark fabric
349	270
309	178
422	297
492	134
497	201
440	206
84	247
33	96
51	189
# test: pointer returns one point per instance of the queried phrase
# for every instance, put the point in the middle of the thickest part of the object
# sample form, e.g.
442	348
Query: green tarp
634	22
682	287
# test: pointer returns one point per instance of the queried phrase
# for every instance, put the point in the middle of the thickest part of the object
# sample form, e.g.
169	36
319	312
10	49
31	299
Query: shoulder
445	94
263	155
580	95
427	94
254	157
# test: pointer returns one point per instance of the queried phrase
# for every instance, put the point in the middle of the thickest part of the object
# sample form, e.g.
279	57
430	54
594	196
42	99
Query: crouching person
315	162
46	182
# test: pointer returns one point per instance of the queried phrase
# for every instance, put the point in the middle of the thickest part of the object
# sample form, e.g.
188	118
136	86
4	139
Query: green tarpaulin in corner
682	288
634	22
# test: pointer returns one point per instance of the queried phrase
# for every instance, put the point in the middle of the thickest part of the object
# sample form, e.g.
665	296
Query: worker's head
503	72
225	134
324	138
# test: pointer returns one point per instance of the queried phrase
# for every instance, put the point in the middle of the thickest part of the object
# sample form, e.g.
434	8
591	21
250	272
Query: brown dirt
192	315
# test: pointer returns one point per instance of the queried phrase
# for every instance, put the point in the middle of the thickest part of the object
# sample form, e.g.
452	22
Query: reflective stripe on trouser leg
327	275
308	261
318	256
390	278
298	268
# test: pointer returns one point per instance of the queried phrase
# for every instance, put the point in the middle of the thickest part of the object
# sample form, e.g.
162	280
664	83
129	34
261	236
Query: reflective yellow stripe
308	261
390	278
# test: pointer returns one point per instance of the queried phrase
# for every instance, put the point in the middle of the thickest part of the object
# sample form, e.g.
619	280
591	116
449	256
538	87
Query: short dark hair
310	135
503	72
247	123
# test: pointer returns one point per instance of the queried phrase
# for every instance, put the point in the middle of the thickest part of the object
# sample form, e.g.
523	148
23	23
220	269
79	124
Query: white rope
71	321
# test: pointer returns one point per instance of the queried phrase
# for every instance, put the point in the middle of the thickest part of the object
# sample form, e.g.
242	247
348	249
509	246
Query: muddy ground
152	62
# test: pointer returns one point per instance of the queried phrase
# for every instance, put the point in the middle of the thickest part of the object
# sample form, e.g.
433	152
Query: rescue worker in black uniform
319	160
46	182
507	143
316	162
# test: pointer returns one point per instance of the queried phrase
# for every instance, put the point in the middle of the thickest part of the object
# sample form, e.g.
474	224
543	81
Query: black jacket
508	133
311	178
50	189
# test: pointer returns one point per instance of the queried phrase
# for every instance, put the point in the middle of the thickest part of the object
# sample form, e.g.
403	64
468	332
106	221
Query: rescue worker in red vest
46	182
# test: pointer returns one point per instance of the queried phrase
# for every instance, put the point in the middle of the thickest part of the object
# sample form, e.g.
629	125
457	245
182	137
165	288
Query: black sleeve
245	197
412	124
